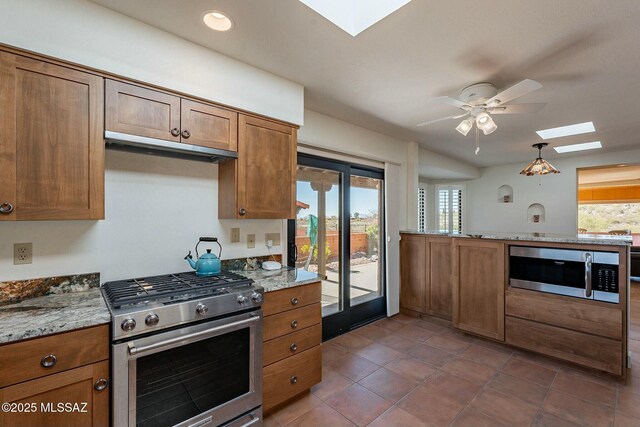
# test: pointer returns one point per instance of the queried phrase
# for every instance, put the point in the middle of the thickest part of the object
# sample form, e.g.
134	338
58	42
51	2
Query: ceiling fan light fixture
485	123
489	128
465	126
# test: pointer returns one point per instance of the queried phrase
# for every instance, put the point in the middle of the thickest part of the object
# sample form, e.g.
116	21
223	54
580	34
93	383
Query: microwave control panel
606	279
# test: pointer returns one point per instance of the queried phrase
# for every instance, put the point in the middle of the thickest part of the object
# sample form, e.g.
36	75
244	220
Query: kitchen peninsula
565	296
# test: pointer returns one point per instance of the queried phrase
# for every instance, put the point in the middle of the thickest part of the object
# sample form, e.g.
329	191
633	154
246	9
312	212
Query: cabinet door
266	169
51	147
75	386
478	287
413	268
439	277
208	126
139	111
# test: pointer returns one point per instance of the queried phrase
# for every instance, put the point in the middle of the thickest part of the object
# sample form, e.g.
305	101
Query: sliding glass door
338	233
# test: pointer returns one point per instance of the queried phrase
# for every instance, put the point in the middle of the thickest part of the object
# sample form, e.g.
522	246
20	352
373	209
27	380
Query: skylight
578	147
355	16
561	131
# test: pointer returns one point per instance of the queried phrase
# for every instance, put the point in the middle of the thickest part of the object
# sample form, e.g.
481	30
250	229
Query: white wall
91	35
438	166
557	193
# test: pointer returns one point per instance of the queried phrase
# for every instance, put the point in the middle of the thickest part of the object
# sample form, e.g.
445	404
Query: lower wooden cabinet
292	352
58	380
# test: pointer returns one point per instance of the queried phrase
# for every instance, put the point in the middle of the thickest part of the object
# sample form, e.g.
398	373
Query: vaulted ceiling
584	52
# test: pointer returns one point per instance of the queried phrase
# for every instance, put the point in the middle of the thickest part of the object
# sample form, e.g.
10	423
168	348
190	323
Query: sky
363	200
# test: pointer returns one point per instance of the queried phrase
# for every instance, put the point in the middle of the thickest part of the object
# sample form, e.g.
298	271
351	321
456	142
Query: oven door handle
587	275
136	351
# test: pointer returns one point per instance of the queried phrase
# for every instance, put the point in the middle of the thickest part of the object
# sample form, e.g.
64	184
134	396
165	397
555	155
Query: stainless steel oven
577	273
204	374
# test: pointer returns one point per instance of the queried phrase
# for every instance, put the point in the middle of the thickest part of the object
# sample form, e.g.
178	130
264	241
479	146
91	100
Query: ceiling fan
481	100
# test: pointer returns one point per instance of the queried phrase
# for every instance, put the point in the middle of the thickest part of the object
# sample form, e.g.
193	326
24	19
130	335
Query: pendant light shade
465	126
539	166
485	123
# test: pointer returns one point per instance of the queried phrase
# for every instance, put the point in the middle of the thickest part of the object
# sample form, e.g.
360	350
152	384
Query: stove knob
257	298
242	300
152	319
128	325
201	309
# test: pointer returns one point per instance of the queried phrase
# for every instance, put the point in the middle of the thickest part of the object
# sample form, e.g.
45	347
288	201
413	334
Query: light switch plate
22	253
275	237
251	240
235	235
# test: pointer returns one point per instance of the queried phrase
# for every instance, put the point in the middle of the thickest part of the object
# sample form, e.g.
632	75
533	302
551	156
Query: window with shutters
422	211
449	201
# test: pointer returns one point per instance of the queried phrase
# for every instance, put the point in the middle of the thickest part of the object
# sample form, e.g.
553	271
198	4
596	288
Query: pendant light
485	123
539	166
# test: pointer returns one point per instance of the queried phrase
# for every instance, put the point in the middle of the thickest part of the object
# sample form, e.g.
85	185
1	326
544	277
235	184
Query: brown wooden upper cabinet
140	111
478	287
51	142
261	183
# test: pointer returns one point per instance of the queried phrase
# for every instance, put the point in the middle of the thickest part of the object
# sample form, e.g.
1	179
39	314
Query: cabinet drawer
288	299
558	311
576	347
291	344
291	321
23	360
291	376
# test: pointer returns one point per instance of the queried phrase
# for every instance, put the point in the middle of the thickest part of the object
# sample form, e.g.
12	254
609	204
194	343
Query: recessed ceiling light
576	129
217	20
578	147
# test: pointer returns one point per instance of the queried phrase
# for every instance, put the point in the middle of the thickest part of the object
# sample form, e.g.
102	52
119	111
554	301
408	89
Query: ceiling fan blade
516	91
442	119
518	108
447	100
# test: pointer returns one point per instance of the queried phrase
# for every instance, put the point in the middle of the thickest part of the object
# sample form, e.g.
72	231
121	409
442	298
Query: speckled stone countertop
595	239
72	302
280	279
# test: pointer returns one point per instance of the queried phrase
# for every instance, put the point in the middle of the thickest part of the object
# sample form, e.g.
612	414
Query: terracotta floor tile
623	420
378	353
388	384
321	416
632	384
415	333
332	383
297	408
396	417
580	386
509	411
628	403
454	387
434	409
358	404
398	342
529	371
471	417
576	410
351	341
495	346
540	360
434	328
389	325
372	332
527	391
449	343
403	318
332	352
485	355
354	367
475	372
411	368
544	419
270	422
460	335
432	355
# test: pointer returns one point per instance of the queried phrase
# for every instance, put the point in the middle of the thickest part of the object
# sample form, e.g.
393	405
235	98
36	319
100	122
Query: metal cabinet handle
294	301
293	347
49	360
6	208
294	324
186	134
175	132
294	379
101	384
242	211
587	275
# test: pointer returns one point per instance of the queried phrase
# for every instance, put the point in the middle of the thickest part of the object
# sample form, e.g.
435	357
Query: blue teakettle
208	264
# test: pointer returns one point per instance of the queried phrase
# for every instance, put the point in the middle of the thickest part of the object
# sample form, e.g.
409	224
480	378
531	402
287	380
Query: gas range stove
150	304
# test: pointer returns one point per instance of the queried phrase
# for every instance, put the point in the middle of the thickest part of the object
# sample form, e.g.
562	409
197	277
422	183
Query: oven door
200	375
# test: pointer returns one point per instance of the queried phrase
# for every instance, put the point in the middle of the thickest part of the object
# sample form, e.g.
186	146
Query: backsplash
19	290
252	263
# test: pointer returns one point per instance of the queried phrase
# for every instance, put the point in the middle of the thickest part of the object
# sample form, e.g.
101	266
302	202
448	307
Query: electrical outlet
274	237
235	235
22	253
251	240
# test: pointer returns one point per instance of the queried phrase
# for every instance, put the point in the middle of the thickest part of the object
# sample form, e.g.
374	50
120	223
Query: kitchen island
565	296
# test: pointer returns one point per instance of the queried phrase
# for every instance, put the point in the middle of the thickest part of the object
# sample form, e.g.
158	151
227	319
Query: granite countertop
280	279
596	239
61	308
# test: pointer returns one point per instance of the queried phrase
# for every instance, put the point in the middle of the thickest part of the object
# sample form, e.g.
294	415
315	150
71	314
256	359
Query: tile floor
409	372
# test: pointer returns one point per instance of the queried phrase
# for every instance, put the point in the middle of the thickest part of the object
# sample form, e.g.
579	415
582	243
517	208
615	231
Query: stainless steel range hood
160	147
